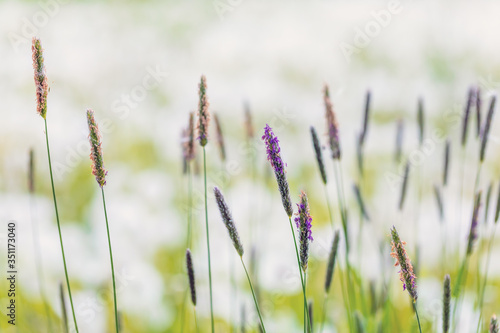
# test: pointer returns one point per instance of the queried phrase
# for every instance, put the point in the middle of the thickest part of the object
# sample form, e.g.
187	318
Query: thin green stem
462	274
253	294
305	305
59	226
111	259
208	239
323	313
485	279
189	233
300	269
195	320
38	262
418	319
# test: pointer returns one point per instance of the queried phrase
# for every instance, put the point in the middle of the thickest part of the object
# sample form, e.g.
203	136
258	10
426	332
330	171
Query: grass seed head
42	87
319	155
332	125
303	221
203	114
228	221
190	271
406	274
95	150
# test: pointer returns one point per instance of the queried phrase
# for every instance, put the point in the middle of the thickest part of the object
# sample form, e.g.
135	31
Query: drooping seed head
228	221
400	127
494	328
203	114
42	87
446	303
274	157
420	120
95	150
190	271
220	138
332	125
319	154
486	129
406	274
366	119
31	172
446	161
330	268
404	185
439	201
474	223
360	201
248	122
303	221
465	123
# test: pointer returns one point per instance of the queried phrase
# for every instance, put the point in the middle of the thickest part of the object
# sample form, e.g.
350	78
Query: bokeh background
137	64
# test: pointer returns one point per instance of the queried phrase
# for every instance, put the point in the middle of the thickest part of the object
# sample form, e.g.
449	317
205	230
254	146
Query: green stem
323	313
111	259
456	291
59	226
300	269
485	279
188	241
418	319
208	239
195	320
253	294
38	263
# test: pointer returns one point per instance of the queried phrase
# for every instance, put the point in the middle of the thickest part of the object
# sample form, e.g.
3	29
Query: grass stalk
418	319
111	260
208	239
59	227
253	294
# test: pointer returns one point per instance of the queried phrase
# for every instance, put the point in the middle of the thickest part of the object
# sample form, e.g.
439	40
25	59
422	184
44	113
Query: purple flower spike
332	125
274	157
406	274
304	224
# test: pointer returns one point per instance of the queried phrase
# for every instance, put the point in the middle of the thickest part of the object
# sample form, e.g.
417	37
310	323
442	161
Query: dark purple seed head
319	155
474	223
446	161
465	123
400	127
203	114
332	125
406	274
486	129
274	157
478	111
95	150
446	303
228	221
439	201
420	120
404	186
366	119
331	261
303	221
190	271
494	328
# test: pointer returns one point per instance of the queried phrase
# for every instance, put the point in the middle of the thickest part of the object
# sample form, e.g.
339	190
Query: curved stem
111	259
300	269
59	227
208	239
418	319
253	294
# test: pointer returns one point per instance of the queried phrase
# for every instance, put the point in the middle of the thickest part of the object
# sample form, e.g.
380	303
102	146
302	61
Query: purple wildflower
274	157
303	222
332	125
406	274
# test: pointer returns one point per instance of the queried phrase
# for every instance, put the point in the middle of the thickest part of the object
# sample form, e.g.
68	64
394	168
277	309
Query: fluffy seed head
220	138
331	261
303	222
42	87
228	221
474	223
31	172
486	129
95	150
319	155
274	157
203	114
332	125
446	303
406	274
190	271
